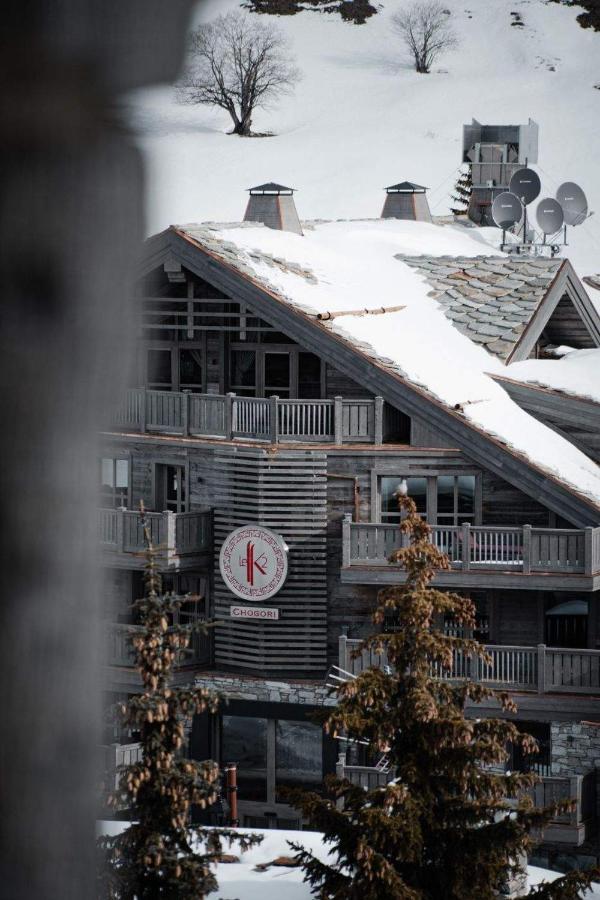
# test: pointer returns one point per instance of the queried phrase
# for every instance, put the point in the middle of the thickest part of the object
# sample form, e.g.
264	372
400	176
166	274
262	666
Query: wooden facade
243	412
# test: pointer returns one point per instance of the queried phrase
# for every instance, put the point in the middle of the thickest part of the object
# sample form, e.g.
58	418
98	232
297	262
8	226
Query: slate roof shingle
490	300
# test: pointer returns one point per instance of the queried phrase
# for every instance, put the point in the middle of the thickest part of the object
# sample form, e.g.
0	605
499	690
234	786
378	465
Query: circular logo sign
253	562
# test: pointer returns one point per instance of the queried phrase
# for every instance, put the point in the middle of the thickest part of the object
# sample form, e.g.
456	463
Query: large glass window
244	741
309	376
417	491
114	482
441	499
159	369
243	372
190	370
277	374
298	755
455	499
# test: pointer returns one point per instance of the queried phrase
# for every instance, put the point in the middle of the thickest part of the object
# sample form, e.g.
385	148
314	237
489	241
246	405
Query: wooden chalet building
290	381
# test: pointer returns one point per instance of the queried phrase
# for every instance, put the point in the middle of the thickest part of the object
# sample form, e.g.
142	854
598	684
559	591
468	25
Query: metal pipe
377	311
231	790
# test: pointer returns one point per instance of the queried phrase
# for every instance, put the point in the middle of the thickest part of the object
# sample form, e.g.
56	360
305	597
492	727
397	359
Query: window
243	372
277	374
272	754
114	482
455	499
567	624
417	491
159	369
440	499
298	755
309	376
190	370
244	741
170	488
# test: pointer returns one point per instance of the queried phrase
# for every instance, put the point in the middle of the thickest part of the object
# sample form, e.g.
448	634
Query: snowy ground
241	881
362	119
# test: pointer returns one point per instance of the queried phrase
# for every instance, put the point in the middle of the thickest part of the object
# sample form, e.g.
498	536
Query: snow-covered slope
242	881
362	119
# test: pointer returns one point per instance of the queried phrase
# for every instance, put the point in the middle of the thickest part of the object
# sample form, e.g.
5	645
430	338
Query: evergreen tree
443	828
462	192
160	854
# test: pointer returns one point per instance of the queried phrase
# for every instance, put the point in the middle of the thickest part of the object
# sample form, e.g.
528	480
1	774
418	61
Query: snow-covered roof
576	373
364	265
490	300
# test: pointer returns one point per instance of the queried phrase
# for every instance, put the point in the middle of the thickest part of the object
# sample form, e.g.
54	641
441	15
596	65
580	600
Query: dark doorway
567	624
170	488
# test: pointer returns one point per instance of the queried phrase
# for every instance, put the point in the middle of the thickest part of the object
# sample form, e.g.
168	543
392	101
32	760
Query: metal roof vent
406	200
273	205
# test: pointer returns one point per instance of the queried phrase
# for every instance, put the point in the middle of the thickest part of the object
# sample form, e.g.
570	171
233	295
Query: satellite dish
507	210
573	202
526	185
550	216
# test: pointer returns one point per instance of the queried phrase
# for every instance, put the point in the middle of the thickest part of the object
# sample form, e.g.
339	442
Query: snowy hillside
361	118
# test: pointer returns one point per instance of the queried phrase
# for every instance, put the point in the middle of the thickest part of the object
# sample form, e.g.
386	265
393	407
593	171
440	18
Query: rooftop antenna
574	204
550	218
526	185
507	210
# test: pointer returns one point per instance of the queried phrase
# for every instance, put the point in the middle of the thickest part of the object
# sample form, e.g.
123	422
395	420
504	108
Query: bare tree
425	28
239	65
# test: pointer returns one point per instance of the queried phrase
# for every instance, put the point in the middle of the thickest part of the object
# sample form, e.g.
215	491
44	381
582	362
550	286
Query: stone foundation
241	687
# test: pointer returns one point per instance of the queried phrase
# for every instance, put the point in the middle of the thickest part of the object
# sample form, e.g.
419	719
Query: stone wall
238	687
575	748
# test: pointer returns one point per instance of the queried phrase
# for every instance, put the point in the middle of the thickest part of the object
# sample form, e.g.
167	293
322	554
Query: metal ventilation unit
494	153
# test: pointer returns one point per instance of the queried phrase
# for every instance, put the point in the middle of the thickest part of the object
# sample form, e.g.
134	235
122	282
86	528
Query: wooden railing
476	548
566	827
181	534
274	419
119	651
551	670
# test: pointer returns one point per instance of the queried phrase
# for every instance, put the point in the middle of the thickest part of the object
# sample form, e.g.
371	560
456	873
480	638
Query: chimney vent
273	205
406	200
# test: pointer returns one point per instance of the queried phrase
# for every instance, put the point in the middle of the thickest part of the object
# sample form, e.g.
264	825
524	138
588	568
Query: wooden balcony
186	538
545	558
541	669
228	417
120	653
568	828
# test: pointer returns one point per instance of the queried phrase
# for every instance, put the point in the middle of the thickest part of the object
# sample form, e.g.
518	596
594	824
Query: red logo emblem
253	562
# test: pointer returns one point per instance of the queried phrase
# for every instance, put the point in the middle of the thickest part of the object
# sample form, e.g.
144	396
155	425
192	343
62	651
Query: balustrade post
338	421
346	528
274	422
170	535
526	549
340	765
588	550
475	667
343	652
228	417
466	546
120	531
378	423
541	668
143	410
185	412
